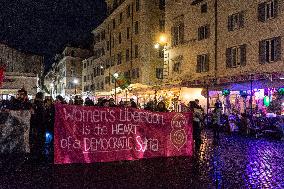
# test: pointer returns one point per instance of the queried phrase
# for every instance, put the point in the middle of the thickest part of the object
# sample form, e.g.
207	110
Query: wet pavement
236	162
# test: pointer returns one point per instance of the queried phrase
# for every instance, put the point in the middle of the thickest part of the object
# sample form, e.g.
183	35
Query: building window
103	51
103	35
202	63
135	73
107	45
112	60
203	32
162	25
236	56
85	78
236	21
267	10
120	17
136	27
119	58
270	50
113	23
119	38
127	32
128	11
162	4
127	57
159	73
178	34
127	74
176	67
85	65
204	8
161	52
112	42
136	51
137	5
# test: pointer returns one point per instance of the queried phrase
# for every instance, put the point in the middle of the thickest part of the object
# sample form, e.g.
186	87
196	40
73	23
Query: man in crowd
38	127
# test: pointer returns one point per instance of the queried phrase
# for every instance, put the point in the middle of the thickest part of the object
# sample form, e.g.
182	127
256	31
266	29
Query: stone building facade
22	70
213	39
124	44
65	70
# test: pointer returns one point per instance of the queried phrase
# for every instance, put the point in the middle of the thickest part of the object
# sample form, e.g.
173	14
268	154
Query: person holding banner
38	127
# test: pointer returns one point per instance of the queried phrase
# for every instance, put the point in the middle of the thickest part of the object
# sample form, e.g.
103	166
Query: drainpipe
216	36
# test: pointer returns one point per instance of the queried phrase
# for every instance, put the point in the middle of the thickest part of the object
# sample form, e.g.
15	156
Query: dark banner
14	131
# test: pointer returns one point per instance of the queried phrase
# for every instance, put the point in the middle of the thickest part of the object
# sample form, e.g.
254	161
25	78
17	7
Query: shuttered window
268	10
159	73
119	38
270	50
177	34
119	58
203	32
236	56
236	21
127	55
202	63
136	51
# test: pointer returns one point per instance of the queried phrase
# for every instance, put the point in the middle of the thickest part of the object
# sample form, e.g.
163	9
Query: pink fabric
93	134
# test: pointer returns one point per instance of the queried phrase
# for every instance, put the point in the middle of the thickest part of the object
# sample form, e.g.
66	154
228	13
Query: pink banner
94	134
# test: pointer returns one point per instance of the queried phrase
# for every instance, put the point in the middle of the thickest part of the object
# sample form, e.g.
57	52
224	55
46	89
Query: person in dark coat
38	127
132	103
112	102
89	102
161	107
50	118
197	116
22	102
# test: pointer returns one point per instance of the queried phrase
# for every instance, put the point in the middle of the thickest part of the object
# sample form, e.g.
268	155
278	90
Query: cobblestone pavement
236	162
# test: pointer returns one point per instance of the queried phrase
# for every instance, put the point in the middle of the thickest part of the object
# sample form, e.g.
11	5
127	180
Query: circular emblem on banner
178	135
179	121
178	138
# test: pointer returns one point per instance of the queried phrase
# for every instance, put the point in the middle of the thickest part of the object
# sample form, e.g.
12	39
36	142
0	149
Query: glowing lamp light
266	101
75	81
157	46
162	39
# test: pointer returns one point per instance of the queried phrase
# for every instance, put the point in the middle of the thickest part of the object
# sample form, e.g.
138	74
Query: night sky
46	26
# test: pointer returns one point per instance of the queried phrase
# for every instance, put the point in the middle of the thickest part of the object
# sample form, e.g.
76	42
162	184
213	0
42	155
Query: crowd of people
43	113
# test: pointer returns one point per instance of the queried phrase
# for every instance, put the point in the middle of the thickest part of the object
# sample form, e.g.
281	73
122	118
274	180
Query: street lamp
115	75
75	81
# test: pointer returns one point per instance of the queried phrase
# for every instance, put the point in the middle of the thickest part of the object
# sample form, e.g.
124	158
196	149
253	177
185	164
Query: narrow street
237	162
